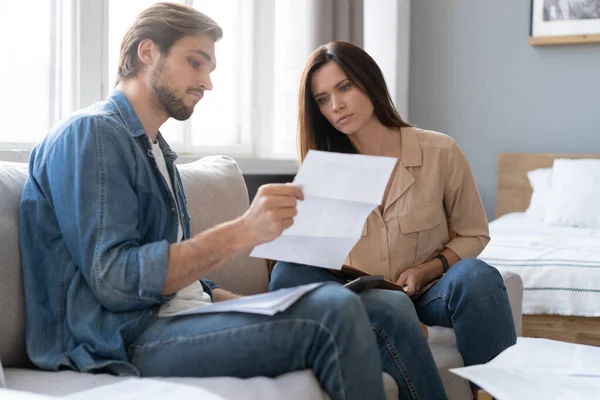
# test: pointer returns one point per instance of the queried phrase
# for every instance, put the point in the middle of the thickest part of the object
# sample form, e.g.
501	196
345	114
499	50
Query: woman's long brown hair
314	131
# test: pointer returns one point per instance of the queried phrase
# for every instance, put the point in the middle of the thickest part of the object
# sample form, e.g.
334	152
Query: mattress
560	266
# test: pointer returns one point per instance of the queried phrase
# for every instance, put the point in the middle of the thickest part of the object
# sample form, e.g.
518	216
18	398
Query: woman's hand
414	279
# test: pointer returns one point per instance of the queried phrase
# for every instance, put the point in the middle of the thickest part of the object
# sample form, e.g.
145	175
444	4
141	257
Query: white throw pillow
574	194
539	179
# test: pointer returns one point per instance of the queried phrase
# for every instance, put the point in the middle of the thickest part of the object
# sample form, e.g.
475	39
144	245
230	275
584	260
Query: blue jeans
404	350
471	298
327	331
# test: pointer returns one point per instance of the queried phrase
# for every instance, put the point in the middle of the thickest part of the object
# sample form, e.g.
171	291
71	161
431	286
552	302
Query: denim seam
119	112
446	299
325	328
61	309
430	301
394	353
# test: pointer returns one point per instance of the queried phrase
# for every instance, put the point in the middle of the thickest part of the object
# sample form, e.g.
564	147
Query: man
105	241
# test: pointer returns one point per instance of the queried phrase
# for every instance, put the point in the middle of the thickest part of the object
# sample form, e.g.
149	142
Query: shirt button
383	257
382	225
150	313
172	209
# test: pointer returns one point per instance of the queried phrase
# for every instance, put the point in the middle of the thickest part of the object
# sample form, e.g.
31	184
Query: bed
560	266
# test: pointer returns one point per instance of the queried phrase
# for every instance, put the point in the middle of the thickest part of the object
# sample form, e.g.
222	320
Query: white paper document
340	191
144	389
266	303
586	362
539	369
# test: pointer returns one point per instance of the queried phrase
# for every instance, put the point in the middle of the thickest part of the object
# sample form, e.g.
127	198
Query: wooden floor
582	330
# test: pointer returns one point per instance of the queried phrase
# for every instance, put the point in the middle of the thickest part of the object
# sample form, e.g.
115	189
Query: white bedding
560	266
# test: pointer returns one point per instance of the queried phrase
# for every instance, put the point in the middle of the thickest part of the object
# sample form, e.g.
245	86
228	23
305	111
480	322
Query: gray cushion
216	193
298	385
12	306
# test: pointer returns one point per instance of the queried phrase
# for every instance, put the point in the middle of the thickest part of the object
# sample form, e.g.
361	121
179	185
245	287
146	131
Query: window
225	111
67	59
291	49
27	74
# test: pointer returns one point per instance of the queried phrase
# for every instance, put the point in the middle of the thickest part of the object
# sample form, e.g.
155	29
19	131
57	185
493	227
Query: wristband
444	261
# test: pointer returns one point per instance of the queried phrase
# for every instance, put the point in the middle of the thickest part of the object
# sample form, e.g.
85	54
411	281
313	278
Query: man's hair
164	24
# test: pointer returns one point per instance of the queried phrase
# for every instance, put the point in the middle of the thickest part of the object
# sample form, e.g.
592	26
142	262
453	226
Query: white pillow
574	194
539	179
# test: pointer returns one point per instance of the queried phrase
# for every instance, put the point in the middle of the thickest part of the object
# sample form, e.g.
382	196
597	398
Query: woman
428	230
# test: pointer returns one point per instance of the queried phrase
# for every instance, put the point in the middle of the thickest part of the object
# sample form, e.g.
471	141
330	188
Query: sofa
216	192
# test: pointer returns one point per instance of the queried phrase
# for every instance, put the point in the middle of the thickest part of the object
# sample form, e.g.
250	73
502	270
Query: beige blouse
433	191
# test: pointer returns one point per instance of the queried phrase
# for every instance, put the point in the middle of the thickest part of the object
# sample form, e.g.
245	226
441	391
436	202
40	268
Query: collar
134	125
411	157
125	109
411	149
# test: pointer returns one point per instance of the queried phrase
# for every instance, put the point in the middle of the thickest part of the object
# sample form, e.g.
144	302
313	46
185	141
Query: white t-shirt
193	295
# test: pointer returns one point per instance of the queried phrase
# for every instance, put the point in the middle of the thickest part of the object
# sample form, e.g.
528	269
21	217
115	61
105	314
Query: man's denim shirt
96	221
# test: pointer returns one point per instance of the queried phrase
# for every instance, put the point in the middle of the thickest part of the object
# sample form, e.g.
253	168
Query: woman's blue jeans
403	347
470	297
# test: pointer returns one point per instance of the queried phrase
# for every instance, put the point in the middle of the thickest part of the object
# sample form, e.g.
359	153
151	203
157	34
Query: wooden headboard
513	191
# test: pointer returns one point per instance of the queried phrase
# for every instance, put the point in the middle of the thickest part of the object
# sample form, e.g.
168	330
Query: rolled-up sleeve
96	206
463	205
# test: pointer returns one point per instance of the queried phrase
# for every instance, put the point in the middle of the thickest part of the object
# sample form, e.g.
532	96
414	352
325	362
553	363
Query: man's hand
223	295
271	212
414	279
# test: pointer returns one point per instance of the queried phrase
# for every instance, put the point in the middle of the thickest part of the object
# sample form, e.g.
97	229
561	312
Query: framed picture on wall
564	22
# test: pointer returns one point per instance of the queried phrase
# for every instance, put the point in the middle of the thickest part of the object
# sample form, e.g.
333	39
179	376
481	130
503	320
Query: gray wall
474	76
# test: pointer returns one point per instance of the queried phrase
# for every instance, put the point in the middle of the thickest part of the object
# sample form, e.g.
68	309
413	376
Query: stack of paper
266	303
340	191
539	369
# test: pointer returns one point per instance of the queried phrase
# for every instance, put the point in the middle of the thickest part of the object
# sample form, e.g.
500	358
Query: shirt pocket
419	227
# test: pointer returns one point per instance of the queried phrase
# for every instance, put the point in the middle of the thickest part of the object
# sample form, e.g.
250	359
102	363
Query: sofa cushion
297	385
514	290
216	193
12	306
442	342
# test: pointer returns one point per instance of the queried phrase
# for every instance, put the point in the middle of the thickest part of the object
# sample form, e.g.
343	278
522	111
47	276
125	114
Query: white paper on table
340	191
586	361
541	355
265	303
538	368
506	384
144	389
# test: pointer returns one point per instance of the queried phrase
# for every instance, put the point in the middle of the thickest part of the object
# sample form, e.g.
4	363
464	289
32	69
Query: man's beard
173	105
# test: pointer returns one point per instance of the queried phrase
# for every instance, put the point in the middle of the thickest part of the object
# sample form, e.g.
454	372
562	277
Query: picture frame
564	22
